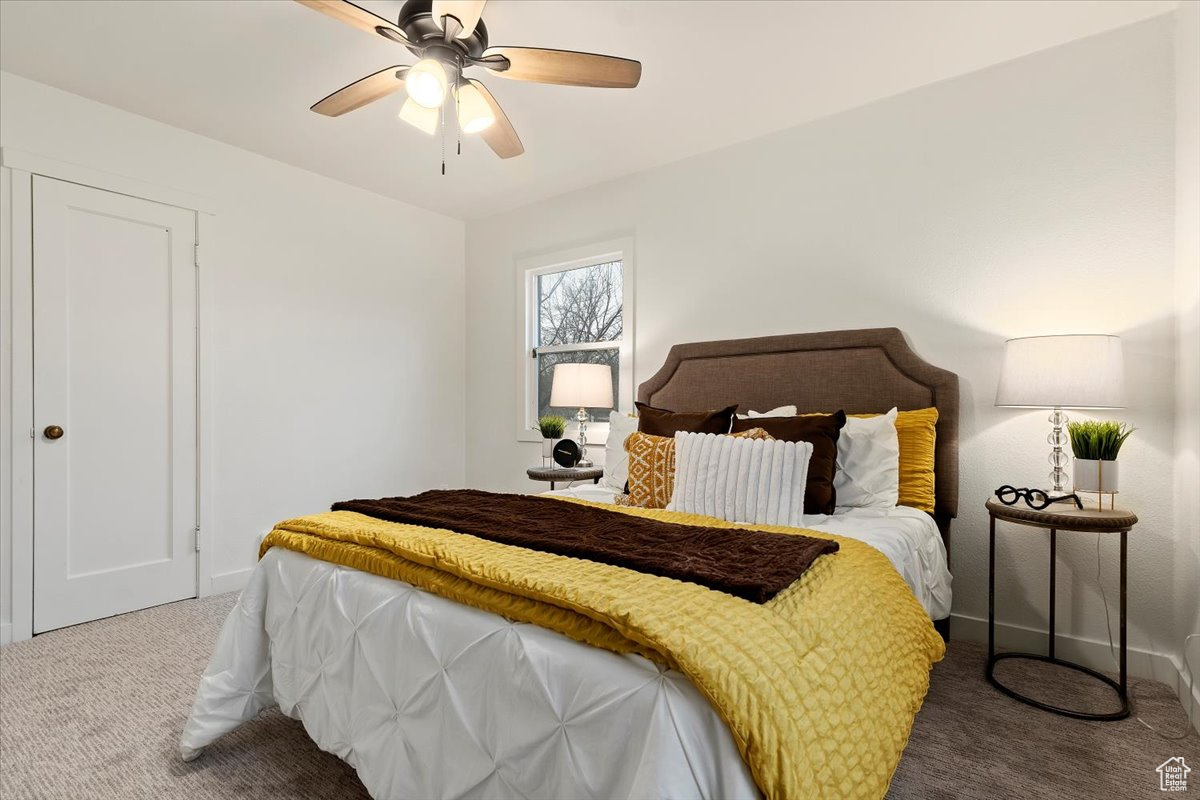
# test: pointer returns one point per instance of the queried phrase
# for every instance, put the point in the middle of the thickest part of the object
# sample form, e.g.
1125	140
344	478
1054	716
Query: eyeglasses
1034	498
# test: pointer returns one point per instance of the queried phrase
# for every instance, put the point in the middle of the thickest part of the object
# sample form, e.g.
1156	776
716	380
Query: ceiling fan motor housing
426	38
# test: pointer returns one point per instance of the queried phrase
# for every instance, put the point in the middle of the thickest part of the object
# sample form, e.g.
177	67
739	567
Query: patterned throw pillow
652	467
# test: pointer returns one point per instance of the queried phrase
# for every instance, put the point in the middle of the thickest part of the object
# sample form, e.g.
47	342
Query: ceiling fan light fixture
420	117
474	113
426	83
448	37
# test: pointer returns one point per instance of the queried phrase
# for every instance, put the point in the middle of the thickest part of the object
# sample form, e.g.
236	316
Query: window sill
597	434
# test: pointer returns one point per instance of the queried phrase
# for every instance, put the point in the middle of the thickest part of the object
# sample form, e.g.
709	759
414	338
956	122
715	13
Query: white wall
1187	298
336	321
5	411
1033	197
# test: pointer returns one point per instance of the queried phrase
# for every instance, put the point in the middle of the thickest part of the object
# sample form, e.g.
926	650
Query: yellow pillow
652	467
917	432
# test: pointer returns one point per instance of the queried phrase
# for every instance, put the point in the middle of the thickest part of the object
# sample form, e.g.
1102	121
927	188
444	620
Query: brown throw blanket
753	565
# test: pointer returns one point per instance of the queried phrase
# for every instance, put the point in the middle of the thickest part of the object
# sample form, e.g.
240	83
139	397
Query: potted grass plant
1096	446
552	427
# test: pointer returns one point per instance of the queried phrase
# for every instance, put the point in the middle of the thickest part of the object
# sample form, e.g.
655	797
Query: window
577	310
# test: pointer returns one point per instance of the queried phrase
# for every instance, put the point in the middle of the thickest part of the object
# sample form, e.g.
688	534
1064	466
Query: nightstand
554	474
1058	517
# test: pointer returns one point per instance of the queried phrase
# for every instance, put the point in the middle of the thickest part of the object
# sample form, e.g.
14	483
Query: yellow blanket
819	686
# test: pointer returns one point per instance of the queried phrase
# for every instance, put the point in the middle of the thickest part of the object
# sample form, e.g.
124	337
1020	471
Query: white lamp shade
420	117
426	83
1075	371
582	386
474	113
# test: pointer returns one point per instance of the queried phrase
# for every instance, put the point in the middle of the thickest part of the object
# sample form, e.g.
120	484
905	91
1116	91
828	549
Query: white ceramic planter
1096	476
548	449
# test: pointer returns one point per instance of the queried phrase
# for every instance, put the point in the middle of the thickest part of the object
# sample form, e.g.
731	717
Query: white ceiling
714	73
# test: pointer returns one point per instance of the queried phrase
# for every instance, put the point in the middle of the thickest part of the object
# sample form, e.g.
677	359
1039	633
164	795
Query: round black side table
1058	518
554	474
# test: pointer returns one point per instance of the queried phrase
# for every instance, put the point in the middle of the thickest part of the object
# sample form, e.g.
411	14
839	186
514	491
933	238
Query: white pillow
868	463
782	411
616	460
740	480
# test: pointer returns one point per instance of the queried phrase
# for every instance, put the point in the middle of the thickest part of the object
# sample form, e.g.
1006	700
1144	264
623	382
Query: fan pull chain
443	131
458	119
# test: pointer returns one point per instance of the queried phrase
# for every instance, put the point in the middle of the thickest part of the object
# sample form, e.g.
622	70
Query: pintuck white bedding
410	688
414	690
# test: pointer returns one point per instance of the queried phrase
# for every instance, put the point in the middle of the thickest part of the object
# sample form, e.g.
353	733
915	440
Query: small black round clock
566	453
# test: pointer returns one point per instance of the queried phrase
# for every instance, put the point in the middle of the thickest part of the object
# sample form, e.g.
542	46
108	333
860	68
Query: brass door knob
53	432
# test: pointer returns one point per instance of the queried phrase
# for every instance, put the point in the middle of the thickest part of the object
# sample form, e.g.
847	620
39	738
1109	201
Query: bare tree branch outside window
579	306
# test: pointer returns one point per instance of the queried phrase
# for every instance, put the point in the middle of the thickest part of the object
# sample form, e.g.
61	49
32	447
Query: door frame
16	362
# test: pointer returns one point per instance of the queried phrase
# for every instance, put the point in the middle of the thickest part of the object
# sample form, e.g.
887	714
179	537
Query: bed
909	538
427	696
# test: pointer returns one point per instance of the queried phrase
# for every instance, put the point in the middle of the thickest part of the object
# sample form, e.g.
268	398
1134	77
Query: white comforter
429	698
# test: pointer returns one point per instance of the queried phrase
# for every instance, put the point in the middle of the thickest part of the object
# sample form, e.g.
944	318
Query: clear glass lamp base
1058	458
582	418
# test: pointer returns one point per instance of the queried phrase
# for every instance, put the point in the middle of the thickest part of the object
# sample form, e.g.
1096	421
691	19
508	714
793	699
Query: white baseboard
5	633
1090	653
1190	701
231	581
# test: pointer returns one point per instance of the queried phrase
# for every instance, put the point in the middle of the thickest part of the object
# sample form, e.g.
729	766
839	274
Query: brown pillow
661	422
822	433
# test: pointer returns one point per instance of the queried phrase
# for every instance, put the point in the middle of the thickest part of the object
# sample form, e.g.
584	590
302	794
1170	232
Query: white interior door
115	412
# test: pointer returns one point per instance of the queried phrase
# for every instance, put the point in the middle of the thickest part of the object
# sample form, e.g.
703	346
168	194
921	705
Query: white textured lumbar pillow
868	463
740	480
616	460
782	411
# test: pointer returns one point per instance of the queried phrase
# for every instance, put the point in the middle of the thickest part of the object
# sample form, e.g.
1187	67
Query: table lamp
1083	371
585	386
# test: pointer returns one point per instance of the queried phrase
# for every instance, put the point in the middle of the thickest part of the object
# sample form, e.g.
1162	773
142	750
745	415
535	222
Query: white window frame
528	270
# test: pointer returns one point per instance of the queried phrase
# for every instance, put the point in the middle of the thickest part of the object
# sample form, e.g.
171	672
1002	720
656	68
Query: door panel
115	368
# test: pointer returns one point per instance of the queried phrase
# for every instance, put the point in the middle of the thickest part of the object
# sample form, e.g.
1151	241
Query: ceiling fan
448	36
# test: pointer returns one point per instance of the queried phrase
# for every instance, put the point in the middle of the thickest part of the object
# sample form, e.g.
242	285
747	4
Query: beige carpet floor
95	711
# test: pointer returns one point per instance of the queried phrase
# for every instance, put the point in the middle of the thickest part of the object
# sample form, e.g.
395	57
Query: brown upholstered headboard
861	371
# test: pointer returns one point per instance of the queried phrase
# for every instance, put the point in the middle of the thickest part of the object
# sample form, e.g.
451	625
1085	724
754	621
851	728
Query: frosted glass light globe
426	83
474	113
420	117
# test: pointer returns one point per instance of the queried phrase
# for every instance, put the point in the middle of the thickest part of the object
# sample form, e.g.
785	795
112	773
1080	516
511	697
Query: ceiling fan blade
565	67
500	135
363	91
347	12
467	12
